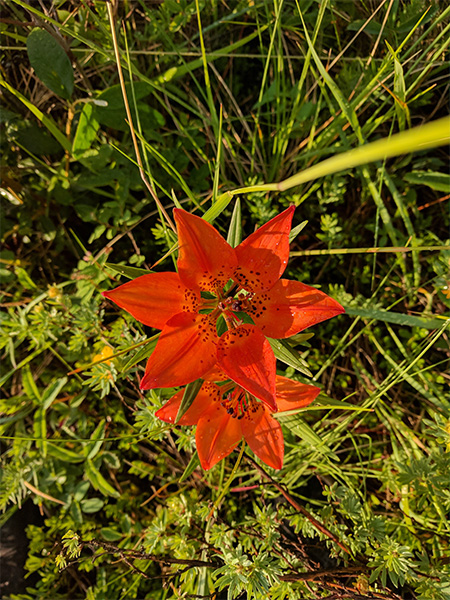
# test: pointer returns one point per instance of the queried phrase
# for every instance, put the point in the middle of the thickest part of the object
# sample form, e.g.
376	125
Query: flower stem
229	481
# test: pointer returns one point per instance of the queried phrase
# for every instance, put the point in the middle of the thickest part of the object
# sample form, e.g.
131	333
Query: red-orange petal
264	436
263	256
248	359
207	394
290	307
293	394
186	349
217	435
154	298
215	374
205	259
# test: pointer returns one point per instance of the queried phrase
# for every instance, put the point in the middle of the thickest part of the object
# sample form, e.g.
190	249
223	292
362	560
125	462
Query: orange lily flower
214	283
226	413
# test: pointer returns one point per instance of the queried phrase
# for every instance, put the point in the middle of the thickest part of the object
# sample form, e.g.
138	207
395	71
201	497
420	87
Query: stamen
238	402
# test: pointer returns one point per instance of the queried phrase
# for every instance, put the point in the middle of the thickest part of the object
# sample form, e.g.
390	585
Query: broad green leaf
434	180
98	481
86	131
81	490
284	352
130	272
190	393
92	505
110	534
50	62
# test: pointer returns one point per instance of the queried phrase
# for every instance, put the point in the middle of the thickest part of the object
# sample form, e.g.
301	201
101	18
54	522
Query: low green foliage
361	507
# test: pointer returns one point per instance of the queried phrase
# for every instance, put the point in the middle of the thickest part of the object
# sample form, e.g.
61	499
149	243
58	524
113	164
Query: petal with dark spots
248	359
154	298
290	307
205	259
186	349
263	256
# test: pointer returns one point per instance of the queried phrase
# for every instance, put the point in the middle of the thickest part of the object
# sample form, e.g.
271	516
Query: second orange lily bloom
225	413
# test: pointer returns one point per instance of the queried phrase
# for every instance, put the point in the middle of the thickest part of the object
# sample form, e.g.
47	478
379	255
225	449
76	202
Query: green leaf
63	454
92	505
24	279
50	62
98	481
111	112
394	317
142	353
234	237
193	464
40	429
190	393
97	437
51	392
298	426
45	120
110	534
296	230
30	386
331	403
401	108
284	352
440	182
86	131
218	207
130	272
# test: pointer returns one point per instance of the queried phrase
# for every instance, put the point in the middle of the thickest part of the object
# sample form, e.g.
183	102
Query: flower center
239	403
227	303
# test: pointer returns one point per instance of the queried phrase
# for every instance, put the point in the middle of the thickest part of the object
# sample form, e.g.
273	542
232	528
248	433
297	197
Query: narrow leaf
64	454
190	393
130	272
193	464
394	317
51	392
97	439
234	237
98	481
141	354
296	230
284	352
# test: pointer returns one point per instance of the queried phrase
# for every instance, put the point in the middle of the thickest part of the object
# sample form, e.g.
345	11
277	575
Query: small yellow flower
104	355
